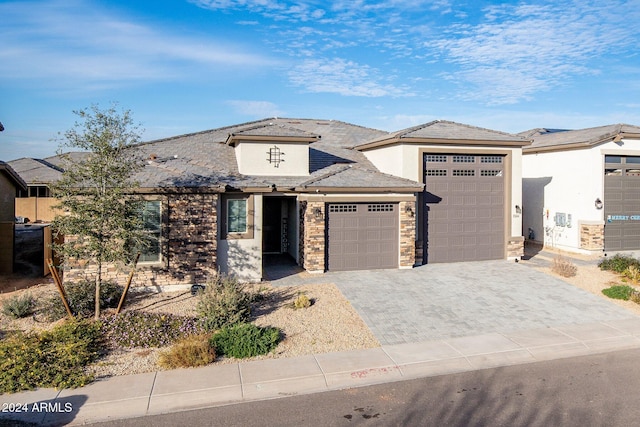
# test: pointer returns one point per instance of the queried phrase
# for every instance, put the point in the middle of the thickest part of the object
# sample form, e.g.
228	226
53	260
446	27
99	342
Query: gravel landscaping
330	324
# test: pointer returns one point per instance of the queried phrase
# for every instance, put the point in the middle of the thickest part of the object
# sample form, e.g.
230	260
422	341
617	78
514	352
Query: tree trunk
98	282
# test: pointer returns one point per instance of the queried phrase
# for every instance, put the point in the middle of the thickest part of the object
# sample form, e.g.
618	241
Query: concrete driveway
439	301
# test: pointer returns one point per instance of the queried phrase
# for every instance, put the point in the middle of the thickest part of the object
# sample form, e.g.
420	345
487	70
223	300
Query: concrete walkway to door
439	301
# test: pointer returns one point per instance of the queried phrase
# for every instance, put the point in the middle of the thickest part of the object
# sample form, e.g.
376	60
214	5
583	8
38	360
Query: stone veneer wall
312	236
189	246
592	236
515	247
407	234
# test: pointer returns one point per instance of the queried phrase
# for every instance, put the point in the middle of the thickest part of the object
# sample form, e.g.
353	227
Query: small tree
99	212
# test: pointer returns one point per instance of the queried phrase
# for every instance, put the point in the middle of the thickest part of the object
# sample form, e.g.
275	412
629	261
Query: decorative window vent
491	159
275	156
436	158
380	207
343	208
464	159
464	172
436	172
488	172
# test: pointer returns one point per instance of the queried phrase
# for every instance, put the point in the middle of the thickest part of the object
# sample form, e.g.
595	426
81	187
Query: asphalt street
595	390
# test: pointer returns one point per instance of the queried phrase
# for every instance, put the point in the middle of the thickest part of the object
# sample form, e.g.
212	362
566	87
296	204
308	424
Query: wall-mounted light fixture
598	203
518	209
409	210
317	212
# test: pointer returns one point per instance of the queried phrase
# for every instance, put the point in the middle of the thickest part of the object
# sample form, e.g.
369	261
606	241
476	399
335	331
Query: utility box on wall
561	219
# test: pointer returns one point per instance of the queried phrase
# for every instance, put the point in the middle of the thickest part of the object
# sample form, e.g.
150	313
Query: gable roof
559	140
8	171
446	132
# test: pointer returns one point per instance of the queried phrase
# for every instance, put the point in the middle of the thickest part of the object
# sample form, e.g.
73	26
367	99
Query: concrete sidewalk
178	390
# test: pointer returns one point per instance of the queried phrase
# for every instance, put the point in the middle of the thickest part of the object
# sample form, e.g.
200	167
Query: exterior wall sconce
598	203
409	210
518	209
317	213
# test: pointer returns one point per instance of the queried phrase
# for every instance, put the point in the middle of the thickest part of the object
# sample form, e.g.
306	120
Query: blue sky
184	66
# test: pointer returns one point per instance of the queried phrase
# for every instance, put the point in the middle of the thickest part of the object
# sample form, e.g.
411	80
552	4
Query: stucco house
328	194
581	188
10	182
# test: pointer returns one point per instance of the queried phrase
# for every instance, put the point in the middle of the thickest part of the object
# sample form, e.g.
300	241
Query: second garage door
622	203
464	207
362	236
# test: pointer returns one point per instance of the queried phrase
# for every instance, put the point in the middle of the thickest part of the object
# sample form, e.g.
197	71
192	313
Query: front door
272	225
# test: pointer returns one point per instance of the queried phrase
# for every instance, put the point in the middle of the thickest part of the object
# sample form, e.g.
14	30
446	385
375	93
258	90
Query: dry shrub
635	296
563	267
189	352
302	301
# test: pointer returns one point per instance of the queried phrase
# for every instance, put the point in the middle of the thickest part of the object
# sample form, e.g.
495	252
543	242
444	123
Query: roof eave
232	139
324	189
444	141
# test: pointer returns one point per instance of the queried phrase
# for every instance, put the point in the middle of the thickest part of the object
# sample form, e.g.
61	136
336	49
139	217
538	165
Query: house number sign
611	218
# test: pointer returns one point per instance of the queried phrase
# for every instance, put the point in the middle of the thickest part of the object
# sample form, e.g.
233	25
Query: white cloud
342	77
522	50
75	44
259	109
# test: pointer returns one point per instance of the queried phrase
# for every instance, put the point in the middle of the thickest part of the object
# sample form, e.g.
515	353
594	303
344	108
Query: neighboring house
36	203
582	188
332	195
10	182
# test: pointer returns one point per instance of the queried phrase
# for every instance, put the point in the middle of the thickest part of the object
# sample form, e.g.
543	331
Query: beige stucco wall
243	257
253	158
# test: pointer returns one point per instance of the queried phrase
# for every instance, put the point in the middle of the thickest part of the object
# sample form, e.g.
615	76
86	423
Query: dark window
491	159
464	172
436	172
613	159
464	159
152	224
380	207
440	158
633	159
343	208
236	216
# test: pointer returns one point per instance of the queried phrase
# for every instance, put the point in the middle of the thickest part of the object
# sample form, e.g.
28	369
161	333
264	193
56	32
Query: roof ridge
340	168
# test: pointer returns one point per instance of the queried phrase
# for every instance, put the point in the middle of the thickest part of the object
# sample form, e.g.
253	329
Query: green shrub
245	340
622	292
188	352
144	329
618	263
54	358
225	301
81	298
19	306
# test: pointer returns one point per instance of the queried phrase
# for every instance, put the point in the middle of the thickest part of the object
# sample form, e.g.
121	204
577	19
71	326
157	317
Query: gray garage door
622	203
464	215
362	236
